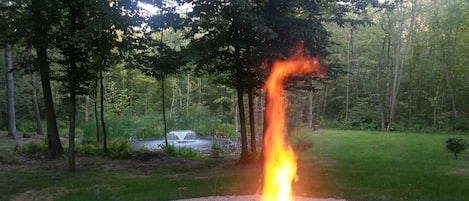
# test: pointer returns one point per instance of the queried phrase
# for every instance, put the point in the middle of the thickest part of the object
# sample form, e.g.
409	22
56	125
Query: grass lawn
391	166
354	165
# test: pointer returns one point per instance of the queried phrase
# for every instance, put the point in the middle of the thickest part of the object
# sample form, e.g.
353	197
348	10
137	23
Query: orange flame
280	159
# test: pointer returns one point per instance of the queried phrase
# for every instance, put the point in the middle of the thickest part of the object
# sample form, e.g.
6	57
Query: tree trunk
87	108
10	92
96	117
236	113
242	125
349	72
401	53
71	131
252	124
174	95
188	95
200	91
325	101
36	104
311	109
164	113
242	118
40	42
101	87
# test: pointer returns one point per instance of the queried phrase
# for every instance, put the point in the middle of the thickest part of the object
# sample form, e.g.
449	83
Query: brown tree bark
101	87
252	124
40	29
244	158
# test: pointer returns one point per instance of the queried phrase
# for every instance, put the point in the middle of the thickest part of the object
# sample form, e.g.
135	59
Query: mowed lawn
391	166
353	165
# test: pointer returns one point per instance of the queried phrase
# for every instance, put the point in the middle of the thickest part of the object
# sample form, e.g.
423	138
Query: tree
10	92
6	39
89	38
235	36
42	19
400	56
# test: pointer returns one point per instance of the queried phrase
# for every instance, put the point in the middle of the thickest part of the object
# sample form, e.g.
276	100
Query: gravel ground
253	198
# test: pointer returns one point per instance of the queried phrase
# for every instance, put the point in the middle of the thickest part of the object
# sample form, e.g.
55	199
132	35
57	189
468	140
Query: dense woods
103	70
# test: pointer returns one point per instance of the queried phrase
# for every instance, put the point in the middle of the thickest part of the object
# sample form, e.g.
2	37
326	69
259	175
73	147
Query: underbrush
128	126
117	149
182	152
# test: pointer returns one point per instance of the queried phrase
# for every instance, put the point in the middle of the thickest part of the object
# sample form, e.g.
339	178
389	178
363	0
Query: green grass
353	165
391	166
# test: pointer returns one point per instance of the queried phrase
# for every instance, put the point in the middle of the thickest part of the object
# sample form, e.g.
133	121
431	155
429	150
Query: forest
91	70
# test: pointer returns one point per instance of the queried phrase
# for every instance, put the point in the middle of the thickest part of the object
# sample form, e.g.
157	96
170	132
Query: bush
88	149
217	150
182	152
461	124
35	148
121	149
300	142
456	145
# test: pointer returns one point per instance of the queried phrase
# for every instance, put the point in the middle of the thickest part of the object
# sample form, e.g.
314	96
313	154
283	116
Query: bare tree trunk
96	117
236	114
324	106
36	105
349	57
450	89
401	53
71	134
252	124
242	124
311	108
101	87
174	95
10	92
165	129
188	91
87	108
242	118
445	62
200	91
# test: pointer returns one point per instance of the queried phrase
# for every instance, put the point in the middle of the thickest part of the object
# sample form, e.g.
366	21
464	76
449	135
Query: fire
279	157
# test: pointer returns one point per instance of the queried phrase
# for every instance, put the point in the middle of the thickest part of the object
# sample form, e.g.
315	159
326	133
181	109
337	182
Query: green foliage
120	149
218	150
34	148
456	145
182	152
201	120
88	149
461	124
126	127
300	141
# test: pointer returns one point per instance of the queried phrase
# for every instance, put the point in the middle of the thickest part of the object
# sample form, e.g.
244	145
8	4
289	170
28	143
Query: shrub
182	152
456	145
34	148
121	149
216	150
300	141
461	124
88	149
